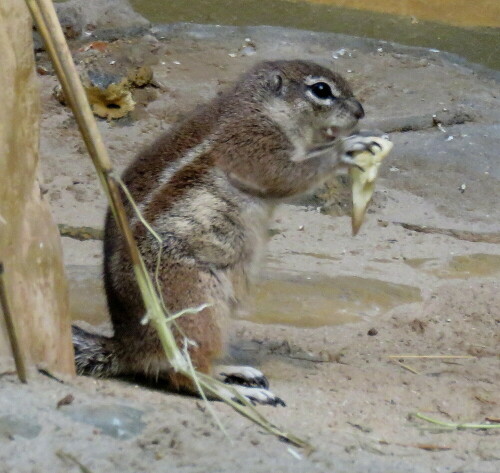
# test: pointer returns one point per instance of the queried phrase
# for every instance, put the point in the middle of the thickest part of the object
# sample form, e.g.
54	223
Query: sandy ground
405	292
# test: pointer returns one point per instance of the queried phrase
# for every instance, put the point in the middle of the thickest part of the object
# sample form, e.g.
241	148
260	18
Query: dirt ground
403	291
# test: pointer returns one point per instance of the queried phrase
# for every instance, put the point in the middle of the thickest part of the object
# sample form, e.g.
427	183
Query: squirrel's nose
356	108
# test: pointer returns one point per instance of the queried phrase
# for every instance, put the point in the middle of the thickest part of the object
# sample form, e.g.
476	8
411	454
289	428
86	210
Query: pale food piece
363	178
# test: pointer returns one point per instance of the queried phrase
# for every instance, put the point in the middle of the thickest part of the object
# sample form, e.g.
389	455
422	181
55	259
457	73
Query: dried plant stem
11	330
48	25
407	367
456	426
150	297
72	459
434	357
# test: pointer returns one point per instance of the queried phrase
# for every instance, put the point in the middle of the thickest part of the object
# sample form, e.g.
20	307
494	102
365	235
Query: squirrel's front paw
354	144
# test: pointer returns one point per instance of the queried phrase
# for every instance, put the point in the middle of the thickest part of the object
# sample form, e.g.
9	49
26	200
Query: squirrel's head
304	98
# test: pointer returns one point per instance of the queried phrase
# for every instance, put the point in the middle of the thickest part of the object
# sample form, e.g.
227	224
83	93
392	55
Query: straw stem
11	330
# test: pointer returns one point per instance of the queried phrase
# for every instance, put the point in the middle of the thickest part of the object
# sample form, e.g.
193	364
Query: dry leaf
66	400
97	45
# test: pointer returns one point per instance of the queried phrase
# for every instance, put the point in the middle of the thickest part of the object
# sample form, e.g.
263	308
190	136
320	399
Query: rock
72	18
140	76
38	44
77	16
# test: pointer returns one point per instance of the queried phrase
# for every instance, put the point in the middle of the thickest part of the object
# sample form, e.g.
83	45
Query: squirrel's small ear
275	82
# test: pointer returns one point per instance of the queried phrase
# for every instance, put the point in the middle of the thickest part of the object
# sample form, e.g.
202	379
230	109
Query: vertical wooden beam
30	246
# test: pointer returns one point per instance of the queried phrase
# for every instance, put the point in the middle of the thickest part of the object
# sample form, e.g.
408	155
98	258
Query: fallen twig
7	373
495	420
422	122
430	447
475	237
47	373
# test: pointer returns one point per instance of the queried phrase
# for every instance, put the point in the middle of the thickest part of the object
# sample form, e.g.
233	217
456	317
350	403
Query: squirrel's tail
95	355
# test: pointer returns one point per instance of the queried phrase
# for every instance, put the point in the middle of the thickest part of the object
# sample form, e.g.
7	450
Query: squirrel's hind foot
243	376
250	383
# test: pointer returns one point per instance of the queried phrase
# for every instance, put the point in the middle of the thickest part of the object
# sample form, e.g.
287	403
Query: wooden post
30	246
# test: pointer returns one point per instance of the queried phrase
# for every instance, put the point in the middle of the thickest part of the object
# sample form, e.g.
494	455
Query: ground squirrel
208	187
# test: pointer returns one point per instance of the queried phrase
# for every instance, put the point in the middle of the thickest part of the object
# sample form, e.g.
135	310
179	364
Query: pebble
118	421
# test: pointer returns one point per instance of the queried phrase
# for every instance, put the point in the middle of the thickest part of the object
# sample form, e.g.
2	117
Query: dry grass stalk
48	25
454	425
11	331
407	367
434	357
68	457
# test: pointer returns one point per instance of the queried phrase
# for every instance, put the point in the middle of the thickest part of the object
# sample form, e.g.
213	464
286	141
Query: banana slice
363	178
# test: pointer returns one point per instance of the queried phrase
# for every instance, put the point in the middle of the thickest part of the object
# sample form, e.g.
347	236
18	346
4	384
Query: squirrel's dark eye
321	90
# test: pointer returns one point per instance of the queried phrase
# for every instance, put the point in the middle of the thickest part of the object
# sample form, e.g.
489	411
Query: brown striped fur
208	187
